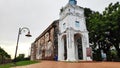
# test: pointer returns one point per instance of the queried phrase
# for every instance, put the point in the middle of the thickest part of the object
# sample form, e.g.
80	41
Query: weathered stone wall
56	31
44	47
33	52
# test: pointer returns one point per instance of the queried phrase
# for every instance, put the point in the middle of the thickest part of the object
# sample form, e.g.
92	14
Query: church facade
65	39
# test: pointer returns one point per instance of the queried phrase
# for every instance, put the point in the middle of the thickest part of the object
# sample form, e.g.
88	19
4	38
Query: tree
3	55
104	29
112	21
20	57
94	23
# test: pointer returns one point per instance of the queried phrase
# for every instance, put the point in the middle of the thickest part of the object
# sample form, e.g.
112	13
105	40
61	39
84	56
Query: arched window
64	25
77	24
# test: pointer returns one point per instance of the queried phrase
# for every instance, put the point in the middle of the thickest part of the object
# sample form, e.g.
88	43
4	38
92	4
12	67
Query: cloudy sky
36	15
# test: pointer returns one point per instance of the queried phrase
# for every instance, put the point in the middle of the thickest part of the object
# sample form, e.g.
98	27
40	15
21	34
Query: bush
97	55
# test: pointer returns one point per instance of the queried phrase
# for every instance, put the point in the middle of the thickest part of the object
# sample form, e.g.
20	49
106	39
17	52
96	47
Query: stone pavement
54	64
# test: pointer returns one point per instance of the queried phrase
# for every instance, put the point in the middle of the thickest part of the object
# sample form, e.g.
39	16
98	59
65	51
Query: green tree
3	55
21	57
112	21
104	28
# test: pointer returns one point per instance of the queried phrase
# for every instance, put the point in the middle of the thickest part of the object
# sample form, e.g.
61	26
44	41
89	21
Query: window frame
77	24
64	25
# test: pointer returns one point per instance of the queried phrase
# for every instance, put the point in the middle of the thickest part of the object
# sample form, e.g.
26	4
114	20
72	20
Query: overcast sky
37	15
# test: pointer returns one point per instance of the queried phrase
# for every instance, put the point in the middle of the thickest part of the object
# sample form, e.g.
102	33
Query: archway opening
65	46
78	46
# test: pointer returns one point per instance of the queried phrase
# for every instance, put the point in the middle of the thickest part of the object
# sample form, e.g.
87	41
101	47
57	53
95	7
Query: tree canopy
104	28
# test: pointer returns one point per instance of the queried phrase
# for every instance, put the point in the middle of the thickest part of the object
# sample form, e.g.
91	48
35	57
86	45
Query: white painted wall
68	16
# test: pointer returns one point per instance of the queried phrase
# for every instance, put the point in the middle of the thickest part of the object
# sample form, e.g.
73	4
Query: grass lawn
20	63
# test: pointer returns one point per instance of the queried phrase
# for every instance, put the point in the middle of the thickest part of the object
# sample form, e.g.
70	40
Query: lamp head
28	35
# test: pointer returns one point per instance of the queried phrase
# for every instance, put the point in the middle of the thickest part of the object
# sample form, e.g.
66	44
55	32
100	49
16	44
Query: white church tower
73	39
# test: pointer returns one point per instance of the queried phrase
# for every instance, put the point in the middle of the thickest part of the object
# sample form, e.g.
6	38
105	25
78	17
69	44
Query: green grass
21	63
6	65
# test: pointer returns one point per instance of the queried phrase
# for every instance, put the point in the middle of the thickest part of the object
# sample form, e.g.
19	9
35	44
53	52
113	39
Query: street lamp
19	33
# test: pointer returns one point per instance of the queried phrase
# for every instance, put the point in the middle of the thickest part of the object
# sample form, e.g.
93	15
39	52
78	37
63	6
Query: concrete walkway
54	64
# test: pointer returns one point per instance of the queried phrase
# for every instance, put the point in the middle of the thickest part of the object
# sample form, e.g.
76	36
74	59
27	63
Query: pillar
70	46
60	48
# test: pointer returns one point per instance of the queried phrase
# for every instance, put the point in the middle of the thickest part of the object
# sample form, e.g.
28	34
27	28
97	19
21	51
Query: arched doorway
78	46
64	42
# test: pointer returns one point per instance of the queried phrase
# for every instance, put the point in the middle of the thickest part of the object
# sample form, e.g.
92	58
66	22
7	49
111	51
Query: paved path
53	64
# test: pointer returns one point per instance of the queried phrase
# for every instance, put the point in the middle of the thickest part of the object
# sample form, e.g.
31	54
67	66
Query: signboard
89	52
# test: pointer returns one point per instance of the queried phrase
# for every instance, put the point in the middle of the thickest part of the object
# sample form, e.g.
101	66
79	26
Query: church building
65	39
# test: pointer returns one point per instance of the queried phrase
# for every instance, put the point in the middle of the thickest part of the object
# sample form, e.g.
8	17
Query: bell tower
73	39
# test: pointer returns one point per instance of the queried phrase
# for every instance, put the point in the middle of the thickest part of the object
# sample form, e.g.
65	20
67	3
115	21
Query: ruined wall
33	52
45	48
56	32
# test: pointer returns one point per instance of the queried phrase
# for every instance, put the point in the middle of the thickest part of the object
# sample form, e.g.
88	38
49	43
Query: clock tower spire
72	2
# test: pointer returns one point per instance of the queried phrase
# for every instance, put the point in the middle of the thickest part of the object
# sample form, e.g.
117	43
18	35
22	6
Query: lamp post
19	33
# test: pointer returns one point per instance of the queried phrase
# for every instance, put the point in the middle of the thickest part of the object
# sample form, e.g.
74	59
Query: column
60	48
87	45
84	47
70	46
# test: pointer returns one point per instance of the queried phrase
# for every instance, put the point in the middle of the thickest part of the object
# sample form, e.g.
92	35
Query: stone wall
44	47
33	52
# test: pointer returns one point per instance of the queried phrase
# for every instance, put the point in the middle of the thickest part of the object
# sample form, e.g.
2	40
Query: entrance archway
78	46
64	42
